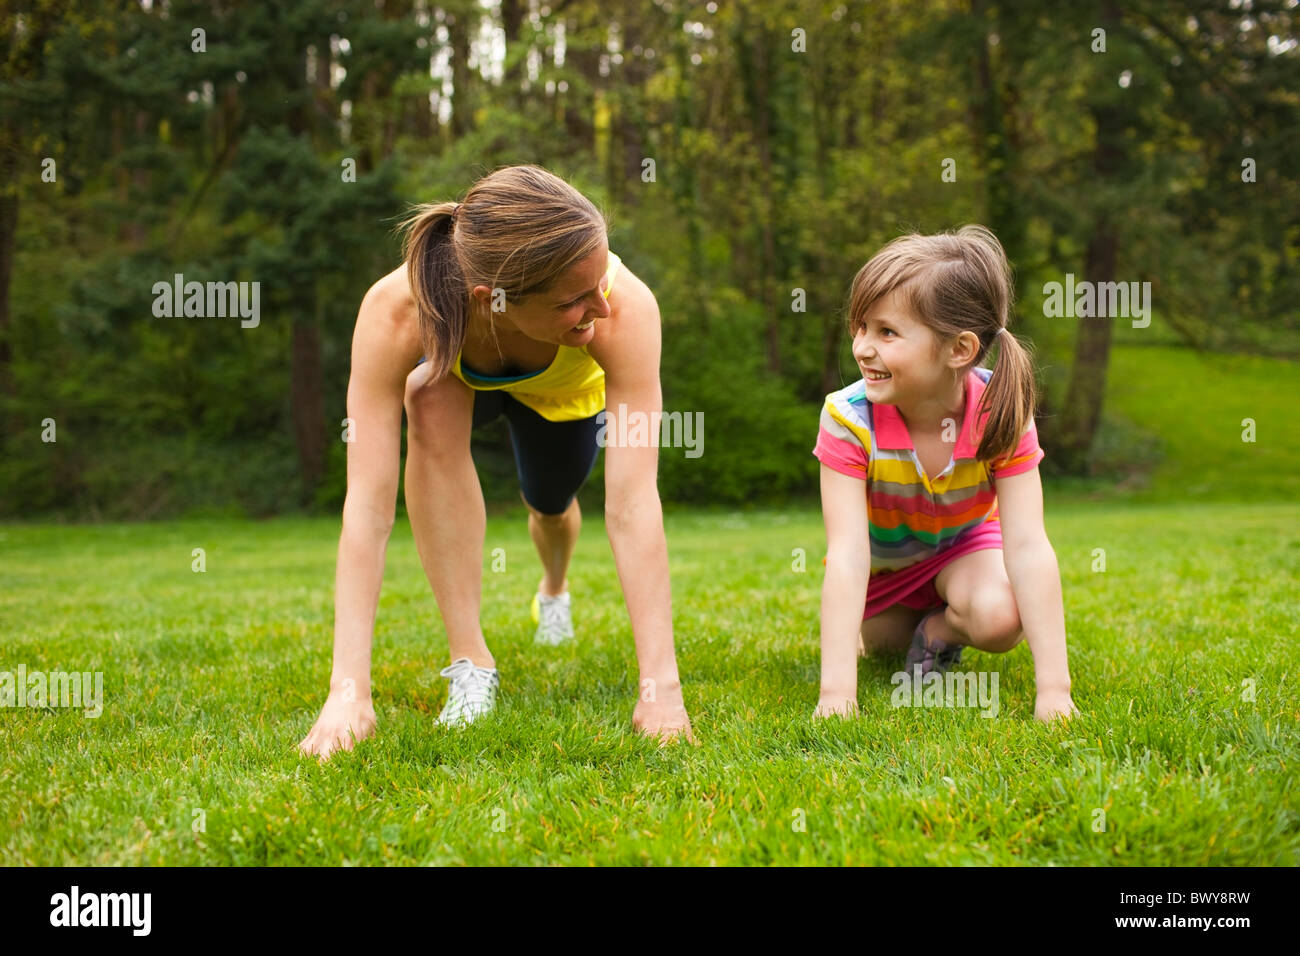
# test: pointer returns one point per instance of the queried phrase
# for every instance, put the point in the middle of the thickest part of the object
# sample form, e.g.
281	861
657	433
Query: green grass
1172	428
211	679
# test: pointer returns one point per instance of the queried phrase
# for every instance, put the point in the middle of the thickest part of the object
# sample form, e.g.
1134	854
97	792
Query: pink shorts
914	586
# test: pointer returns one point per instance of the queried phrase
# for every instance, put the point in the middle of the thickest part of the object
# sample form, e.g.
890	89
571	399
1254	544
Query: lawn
211	678
1183	426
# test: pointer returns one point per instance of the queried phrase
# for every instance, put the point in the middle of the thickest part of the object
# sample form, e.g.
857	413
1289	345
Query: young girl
925	460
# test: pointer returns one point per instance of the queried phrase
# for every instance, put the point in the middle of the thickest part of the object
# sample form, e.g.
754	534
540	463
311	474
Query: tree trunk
136	231
1081	409
1083	398
512	22
305	363
630	152
754	75
121	175
459	26
8	231
990	120
305	394
10	146
582	61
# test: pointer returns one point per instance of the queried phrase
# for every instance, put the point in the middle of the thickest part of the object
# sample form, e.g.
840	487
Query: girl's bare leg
889	631
981	608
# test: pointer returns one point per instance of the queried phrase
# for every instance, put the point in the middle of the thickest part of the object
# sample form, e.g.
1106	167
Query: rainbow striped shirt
912	516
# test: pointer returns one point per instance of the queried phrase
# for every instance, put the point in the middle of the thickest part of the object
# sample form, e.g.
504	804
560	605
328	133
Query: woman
509	302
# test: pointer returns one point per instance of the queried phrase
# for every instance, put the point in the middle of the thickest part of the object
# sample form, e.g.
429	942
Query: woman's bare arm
384	349
628	349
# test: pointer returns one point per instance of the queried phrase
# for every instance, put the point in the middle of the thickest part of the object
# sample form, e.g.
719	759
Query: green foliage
778	171
757	436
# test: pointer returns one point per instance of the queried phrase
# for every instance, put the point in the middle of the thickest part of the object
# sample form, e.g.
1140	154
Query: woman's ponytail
437	283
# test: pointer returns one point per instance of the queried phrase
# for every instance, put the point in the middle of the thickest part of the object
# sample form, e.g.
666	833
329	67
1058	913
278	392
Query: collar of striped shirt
891	432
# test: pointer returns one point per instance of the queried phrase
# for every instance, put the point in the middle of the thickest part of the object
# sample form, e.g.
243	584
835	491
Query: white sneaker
553	617
473	692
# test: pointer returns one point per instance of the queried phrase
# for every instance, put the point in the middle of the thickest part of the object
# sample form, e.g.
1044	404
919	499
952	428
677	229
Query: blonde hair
955	282
518	229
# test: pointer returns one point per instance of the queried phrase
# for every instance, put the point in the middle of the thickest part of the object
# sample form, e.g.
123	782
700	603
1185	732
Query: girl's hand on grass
663	716
836	707
343	721
1054	704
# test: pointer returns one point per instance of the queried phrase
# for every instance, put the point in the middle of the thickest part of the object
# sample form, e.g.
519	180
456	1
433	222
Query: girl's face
896	353
565	314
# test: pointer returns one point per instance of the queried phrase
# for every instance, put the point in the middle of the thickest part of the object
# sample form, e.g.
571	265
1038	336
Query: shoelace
471	688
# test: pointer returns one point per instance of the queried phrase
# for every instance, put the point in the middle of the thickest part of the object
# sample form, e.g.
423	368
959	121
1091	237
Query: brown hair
956	282
518	229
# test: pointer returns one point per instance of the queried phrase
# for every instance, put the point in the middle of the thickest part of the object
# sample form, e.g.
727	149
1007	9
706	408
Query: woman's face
566	313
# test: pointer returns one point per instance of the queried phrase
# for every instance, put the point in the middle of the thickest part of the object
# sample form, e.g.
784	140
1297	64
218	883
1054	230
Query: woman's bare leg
445	504
555	537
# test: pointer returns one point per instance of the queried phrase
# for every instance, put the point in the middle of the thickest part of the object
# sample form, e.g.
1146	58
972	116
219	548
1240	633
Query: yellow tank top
570	388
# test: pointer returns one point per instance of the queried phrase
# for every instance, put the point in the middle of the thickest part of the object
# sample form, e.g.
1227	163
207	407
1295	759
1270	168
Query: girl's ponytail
989	301
1008	400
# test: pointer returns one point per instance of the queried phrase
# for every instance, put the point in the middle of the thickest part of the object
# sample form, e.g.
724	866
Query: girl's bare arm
844	589
1036	583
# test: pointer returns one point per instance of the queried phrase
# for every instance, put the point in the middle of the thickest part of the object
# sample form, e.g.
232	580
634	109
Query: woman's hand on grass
343	721
836	707
1052	704
660	712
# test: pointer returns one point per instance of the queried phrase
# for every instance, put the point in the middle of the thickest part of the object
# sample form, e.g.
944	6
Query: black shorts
553	459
